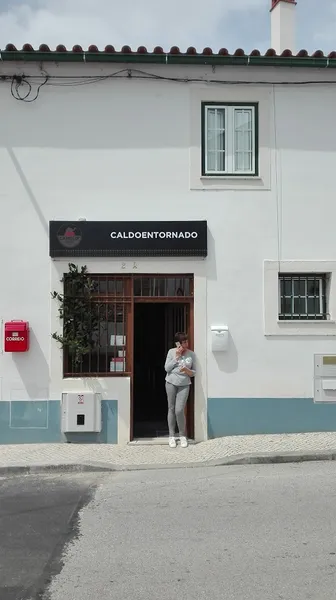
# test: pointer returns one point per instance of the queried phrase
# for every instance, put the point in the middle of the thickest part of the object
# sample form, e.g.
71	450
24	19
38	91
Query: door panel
179	318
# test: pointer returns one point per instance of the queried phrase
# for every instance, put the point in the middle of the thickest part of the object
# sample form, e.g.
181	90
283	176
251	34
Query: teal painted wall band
38	422
248	416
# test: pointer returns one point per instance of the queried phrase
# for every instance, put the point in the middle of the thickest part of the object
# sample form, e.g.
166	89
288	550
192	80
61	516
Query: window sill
229	182
306	322
300	328
231	178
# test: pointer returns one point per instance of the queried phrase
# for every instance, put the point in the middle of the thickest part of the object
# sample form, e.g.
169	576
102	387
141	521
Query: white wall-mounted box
81	412
219	338
325	378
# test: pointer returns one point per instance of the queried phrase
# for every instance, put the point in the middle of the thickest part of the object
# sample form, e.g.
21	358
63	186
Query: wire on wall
22	85
21	88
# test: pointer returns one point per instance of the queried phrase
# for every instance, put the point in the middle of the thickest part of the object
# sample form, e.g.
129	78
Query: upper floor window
229	139
303	297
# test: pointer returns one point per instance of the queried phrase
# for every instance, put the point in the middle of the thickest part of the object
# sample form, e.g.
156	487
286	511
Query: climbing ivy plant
80	322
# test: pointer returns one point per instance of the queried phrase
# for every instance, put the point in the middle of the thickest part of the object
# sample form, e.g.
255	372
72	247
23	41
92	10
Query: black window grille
110	308
303	297
163	287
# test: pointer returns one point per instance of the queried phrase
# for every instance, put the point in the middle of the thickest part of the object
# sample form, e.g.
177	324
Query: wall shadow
227	362
33	370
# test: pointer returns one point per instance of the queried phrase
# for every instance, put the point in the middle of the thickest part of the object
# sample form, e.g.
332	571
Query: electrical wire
151	77
18	82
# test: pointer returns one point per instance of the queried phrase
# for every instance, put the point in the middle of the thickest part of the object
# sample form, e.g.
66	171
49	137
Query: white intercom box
219	338
325	378
81	412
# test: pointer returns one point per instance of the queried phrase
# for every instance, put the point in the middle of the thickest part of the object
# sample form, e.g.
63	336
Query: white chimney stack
283	25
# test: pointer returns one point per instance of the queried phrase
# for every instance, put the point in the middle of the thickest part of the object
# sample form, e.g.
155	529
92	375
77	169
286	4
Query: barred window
109	354
303	296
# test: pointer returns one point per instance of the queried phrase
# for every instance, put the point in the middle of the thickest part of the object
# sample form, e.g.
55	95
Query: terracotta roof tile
174	56
159	50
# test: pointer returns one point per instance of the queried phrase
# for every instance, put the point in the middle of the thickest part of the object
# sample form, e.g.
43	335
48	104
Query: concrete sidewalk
221	451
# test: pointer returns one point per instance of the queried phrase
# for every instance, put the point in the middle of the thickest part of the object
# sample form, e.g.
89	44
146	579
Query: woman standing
180	367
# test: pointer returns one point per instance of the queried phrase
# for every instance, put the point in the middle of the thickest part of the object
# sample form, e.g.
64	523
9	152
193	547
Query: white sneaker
184	442
172	442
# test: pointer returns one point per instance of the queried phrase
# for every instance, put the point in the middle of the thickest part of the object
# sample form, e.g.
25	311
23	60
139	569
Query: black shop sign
128	238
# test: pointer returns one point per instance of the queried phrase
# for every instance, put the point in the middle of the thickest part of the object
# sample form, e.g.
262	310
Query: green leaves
77	313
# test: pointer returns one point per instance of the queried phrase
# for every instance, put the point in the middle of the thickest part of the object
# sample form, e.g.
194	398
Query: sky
216	23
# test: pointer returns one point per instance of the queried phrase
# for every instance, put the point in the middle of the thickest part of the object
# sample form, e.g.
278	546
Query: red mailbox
16	336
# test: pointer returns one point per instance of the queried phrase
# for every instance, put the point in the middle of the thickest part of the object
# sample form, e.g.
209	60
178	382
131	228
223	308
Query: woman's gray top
173	367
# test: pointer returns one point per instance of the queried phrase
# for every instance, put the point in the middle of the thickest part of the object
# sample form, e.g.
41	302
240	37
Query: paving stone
132	455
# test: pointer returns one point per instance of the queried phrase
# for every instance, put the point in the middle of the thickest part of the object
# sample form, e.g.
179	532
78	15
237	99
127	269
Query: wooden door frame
188	300
190	407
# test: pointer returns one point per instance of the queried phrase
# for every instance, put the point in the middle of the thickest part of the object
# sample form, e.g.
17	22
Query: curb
57	469
237	460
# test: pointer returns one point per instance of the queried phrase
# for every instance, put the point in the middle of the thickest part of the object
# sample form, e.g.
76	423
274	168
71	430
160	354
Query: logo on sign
69	236
80	399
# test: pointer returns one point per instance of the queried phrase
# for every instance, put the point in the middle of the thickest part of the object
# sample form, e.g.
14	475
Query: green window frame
230	146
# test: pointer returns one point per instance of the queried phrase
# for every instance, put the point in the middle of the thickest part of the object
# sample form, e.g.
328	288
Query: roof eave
169	59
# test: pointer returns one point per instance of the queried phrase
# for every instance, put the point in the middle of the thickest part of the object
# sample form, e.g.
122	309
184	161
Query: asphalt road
254	533
38	516
240	533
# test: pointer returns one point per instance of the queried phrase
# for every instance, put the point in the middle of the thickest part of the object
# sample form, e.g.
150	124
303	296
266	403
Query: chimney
283	25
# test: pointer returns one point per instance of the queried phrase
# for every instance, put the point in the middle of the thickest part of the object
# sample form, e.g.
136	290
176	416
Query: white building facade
234	152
